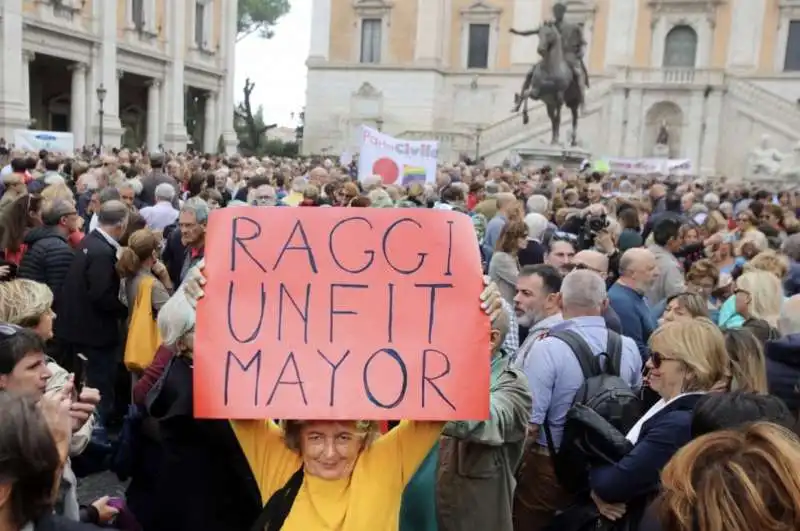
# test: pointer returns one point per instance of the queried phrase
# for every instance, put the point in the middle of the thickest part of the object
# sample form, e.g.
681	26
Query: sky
277	66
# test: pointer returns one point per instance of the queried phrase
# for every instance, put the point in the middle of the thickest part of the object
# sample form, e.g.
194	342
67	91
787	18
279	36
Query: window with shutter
371	38
680	48
478	48
199	24
792	61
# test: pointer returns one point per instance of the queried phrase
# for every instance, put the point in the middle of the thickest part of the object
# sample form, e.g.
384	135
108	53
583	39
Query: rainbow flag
413	174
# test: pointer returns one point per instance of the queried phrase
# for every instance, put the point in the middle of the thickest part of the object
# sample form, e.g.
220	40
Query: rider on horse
573	44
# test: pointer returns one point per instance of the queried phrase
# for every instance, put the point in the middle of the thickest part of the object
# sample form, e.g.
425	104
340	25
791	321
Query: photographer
595	231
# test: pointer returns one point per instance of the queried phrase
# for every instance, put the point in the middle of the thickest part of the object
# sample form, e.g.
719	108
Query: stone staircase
781	114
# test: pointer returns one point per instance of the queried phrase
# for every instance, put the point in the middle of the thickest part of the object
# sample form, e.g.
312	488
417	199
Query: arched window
680	48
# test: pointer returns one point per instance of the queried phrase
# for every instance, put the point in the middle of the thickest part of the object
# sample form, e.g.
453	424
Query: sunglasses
658	358
560	236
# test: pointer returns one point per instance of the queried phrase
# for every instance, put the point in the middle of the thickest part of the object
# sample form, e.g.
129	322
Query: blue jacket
639	473
783	369
634	314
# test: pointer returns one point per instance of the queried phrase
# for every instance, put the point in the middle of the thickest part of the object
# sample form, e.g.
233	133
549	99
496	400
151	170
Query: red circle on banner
387	169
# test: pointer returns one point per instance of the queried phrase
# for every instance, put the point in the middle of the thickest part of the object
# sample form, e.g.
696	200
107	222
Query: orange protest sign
340	313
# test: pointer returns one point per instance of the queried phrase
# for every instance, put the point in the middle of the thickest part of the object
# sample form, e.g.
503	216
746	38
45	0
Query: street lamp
101	97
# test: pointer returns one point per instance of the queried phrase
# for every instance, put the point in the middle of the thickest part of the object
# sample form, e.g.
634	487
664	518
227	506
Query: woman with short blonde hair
27	304
759	295
688	360
733	480
770	261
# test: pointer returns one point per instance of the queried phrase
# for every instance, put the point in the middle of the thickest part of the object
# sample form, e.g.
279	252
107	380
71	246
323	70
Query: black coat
783	370
206	482
90	308
47	259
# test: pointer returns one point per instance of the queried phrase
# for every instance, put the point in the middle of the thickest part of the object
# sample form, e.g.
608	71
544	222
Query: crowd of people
645	356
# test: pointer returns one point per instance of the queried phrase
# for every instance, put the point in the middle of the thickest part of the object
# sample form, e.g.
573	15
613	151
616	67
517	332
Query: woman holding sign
330	474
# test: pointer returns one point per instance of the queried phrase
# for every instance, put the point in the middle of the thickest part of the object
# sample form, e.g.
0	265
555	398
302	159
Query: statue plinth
661	151
568	157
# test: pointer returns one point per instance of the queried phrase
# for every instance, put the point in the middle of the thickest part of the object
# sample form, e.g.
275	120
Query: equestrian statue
560	77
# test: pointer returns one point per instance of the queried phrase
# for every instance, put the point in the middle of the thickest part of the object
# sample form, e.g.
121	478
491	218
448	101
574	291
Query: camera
592	225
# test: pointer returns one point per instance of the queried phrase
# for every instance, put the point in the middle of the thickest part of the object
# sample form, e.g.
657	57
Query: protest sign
325	313
649	166
53	141
397	161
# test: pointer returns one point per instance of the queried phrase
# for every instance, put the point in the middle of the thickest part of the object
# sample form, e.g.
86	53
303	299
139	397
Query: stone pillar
747	28
527	15
12	111
428	44
109	75
175	137
77	114
693	129
635	127
210	133
27	59
320	31
713	119
616	123
621	34
153	114
229	30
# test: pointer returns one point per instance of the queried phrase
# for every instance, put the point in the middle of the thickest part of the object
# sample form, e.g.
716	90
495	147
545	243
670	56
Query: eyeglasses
657	358
742	291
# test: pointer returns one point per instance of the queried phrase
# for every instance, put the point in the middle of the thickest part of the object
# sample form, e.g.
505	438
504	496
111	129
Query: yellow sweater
367	501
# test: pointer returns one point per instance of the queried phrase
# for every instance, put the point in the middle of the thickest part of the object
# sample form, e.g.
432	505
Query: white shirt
633	435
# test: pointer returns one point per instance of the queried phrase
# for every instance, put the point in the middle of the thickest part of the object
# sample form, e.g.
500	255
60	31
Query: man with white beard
536	305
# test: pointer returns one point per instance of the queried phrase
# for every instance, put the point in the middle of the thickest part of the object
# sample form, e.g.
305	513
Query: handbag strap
279	505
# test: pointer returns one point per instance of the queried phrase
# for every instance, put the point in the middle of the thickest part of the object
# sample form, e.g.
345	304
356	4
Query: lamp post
101	97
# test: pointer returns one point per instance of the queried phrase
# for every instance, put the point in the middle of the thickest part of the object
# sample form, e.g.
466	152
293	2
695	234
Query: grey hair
789	320
198	207
299	184
537	225
492	188
126	185
176	318
537	204
791	247
711	200
165	191
583	289
113	213
371	182
109	193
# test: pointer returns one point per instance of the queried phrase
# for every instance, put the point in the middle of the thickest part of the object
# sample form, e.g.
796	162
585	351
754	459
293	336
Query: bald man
598	262
638	271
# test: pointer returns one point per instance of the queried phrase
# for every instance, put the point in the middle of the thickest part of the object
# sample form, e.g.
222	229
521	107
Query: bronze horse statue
552	81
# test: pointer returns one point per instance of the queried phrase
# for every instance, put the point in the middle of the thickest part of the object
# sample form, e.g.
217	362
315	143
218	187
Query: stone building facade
720	74
158	61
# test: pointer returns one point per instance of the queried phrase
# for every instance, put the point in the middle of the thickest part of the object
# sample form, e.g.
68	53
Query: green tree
260	16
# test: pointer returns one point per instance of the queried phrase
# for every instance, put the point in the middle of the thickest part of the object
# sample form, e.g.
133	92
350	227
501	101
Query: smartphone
80	373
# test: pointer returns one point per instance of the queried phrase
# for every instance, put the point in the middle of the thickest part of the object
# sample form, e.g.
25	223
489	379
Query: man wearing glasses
49	255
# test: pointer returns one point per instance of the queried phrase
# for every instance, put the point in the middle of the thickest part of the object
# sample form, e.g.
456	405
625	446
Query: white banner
31	140
397	161
645	166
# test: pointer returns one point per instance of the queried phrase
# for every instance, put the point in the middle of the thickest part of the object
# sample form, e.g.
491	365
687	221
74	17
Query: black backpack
603	392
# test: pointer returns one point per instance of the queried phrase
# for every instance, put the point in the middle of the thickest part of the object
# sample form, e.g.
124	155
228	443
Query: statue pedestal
661	151
553	156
